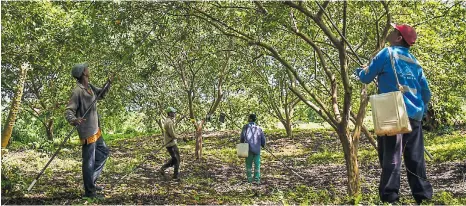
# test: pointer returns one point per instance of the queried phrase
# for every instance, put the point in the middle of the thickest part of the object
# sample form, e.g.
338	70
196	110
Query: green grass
451	147
227	155
326	157
305	195
446	198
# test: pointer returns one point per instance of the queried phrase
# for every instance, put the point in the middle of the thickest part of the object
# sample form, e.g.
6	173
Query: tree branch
330	76
439	16
343	30
315	108
219	87
261	7
365	130
364	100
291	72
218	5
321	11
318	21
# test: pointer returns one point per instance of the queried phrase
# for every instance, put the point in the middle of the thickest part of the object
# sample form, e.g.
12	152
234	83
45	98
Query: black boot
93	196
176	177
162	171
99	188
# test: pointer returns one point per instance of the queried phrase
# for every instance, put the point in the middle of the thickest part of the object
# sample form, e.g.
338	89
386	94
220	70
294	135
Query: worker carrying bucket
253	135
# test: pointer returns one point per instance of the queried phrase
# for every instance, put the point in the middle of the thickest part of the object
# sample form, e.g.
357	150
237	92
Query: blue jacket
410	75
253	135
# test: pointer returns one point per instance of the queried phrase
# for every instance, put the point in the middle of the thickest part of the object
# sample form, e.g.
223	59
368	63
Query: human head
252	118
402	35
171	111
80	71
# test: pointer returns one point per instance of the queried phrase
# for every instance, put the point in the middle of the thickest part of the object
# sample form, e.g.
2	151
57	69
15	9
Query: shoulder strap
247	130
394	70
246	135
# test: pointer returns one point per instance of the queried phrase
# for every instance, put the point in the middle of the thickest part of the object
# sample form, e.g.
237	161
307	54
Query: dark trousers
94	157
174	161
411	146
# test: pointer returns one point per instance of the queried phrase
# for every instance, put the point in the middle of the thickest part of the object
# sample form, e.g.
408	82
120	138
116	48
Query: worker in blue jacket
416	94
254	136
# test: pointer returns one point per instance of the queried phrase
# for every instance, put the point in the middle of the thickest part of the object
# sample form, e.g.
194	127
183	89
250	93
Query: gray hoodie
79	102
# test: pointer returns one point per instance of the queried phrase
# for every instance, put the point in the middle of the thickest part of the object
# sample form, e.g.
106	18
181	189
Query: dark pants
174	161
94	158
390	149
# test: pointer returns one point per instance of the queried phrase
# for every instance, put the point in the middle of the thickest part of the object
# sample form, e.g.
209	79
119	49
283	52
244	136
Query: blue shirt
254	136
410	75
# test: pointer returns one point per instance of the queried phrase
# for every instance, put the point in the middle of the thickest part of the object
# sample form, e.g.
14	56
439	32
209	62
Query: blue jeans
94	157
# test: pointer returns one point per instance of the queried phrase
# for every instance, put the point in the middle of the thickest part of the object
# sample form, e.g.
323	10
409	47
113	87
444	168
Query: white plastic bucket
242	149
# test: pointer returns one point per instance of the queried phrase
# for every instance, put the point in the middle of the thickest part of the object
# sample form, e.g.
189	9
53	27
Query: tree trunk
288	114
199	128
49	128
350	149
289	130
15	105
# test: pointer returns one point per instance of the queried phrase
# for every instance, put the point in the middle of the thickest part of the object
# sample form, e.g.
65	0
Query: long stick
267	149
428	154
67	137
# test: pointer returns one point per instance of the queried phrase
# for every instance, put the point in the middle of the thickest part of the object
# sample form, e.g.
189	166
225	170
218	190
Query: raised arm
368	73
98	90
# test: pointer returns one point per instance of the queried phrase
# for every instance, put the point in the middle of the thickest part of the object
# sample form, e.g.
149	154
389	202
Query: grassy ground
130	175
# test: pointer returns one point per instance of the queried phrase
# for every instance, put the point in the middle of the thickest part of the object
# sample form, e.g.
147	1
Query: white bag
242	150
389	111
389	114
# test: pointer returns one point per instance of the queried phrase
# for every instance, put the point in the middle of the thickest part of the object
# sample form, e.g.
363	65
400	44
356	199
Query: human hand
78	121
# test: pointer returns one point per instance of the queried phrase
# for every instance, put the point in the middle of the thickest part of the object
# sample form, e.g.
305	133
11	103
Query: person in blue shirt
416	94
254	136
